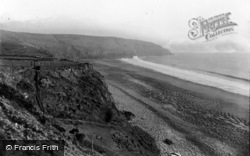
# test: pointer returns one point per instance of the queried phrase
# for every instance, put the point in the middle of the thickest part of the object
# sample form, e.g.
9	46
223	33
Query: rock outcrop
70	103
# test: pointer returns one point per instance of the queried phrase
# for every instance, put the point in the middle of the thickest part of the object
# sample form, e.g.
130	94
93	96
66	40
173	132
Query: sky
164	22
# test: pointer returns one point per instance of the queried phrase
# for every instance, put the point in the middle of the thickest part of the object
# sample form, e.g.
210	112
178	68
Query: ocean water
228	64
229	72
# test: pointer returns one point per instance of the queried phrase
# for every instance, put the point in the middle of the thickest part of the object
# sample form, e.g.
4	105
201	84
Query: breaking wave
192	76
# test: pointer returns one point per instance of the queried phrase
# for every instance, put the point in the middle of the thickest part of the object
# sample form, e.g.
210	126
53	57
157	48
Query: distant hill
12	48
77	46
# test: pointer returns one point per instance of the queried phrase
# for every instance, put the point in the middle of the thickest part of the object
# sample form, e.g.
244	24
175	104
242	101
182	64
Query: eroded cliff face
70	103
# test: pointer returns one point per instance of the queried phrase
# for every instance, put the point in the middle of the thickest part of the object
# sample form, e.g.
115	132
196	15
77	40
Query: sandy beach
241	88
182	116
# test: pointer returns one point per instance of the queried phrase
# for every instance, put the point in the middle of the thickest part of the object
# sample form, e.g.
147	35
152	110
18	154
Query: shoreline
212	73
194	125
239	102
199	63
194	77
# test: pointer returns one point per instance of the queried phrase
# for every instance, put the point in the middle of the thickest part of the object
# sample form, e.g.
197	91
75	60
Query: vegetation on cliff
70	103
78	46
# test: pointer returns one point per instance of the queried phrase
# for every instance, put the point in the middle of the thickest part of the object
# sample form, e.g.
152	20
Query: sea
227	71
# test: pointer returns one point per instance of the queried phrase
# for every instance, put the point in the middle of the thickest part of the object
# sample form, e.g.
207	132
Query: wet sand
202	78
199	120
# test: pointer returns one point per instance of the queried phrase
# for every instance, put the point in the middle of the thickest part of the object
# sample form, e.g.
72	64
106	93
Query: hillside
81	46
12	48
70	103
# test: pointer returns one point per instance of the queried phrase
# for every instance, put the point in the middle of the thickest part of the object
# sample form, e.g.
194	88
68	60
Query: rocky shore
182	117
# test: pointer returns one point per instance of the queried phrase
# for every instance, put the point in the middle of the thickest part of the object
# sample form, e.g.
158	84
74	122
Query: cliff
69	102
82	46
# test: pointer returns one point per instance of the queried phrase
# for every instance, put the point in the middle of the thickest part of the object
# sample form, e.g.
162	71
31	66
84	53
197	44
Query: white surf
192	76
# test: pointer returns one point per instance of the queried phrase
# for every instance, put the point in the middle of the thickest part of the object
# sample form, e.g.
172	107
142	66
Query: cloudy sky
160	21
